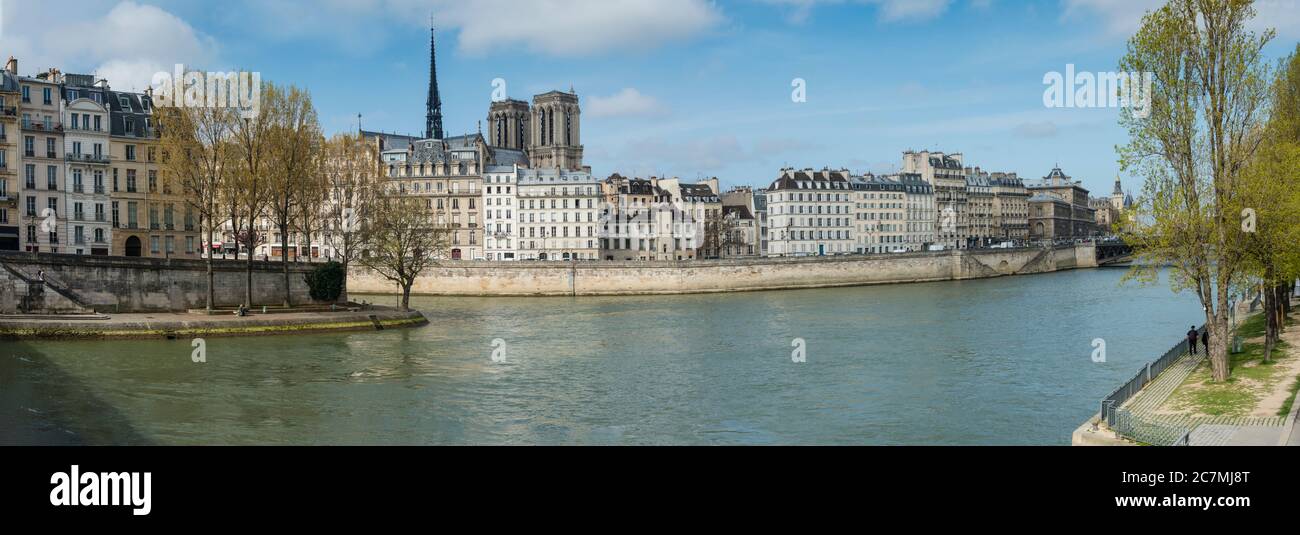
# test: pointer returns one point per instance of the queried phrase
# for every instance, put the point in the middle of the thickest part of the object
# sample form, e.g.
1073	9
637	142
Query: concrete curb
1289	426
147	328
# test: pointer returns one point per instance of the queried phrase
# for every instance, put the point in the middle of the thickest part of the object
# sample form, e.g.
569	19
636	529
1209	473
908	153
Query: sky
687	88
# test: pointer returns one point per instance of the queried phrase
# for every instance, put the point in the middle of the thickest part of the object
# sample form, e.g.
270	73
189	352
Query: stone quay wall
735	275
115	284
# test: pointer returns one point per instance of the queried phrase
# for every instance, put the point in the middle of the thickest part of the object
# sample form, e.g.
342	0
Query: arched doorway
133	246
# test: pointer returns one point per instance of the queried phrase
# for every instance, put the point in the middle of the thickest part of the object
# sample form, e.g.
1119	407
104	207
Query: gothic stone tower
508	124
556	140
1117	196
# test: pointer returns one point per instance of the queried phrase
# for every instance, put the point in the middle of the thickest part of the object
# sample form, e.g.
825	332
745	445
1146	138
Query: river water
997	361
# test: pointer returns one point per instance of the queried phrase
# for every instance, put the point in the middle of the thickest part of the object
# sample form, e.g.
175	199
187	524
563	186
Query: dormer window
124	102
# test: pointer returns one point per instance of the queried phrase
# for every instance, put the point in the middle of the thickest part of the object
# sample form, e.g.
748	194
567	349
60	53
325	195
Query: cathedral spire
433	106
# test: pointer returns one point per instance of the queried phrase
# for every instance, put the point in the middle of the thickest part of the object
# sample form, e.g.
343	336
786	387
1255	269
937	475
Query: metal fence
1133	426
1110	405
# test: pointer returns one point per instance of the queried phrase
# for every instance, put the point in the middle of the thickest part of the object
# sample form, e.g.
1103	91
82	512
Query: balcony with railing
42	127
8	111
88	158
78	188
86	128
78	216
99	218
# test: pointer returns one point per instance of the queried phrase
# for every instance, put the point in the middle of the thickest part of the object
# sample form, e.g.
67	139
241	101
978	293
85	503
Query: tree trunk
248	282
284	260
346	299
1270	322
207	248
1217	324
406	296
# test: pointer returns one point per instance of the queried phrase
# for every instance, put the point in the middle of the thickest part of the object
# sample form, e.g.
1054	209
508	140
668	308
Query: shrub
326	281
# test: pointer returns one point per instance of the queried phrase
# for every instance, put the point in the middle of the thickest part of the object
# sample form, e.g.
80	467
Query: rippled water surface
1000	361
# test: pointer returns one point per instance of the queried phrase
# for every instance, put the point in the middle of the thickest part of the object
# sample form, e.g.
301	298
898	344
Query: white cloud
550	27
625	103
576	27
1124	17
887	10
125	44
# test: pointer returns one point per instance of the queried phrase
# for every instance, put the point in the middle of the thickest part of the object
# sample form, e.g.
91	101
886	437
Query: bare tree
251	188
401	241
195	152
350	167
313	201
293	148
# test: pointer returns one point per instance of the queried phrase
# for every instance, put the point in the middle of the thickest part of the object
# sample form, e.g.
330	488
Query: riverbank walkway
1210	430
1205	430
181	324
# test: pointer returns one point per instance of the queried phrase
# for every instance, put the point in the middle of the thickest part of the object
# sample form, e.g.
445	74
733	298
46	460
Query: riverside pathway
1205	430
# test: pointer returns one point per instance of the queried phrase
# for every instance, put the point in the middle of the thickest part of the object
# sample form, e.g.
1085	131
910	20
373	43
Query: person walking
1192	335
1205	341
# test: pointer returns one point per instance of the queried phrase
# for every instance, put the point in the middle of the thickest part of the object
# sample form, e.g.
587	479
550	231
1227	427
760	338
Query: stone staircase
26	293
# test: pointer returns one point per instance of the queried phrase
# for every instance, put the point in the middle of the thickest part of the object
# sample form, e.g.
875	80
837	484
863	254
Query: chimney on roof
12	66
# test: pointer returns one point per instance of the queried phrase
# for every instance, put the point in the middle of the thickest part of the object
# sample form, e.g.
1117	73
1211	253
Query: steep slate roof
818	180
741	211
698	193
134	109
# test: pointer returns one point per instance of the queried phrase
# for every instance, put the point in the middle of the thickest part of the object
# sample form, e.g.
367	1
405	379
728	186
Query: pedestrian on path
1192	335
1205	341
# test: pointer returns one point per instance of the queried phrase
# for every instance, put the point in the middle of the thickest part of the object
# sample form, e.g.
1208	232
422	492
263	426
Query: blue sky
685	88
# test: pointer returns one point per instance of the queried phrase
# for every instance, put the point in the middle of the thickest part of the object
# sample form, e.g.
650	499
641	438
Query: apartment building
879	215
748	222
919	215
11	220
696	221
811	213
1010	207
636	220
500	191
43	199
559	213
945	173
447	175
153	215
86	139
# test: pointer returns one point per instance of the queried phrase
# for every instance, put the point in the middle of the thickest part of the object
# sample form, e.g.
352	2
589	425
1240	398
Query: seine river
999	361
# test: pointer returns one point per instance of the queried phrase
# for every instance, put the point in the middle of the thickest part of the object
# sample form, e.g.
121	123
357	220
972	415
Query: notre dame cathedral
549	131
543	135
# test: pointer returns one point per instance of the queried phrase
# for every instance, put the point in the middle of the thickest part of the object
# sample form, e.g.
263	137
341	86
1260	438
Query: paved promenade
1210	430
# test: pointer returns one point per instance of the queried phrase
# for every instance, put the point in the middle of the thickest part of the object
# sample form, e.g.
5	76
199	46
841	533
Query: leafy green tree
1270	203
1200	132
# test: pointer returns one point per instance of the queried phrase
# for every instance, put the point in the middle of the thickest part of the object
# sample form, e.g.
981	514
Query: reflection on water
1002	361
